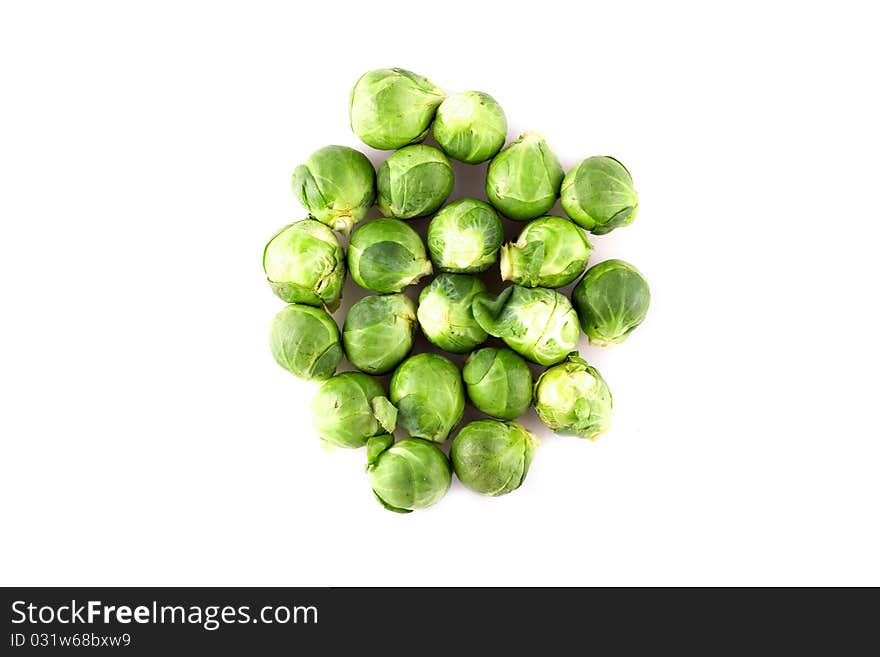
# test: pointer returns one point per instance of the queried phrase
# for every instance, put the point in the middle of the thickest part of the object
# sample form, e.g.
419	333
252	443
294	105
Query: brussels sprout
429	396
498	382
391	108
470	126
407	475
492	457
305	264
414	182
523	179
612	299
445	312
573	398
350	408
386	255
378	332
598	194
537	323
549	252
305	341
465	236
337	185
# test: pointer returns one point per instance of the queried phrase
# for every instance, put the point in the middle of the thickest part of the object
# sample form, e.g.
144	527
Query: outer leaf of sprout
376	445
385	412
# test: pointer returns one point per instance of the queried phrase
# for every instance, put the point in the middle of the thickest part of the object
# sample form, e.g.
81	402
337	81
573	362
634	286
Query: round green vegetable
523	179
537	323
573	398
392	107
445	312
305	341
612	299
386	255
407	475
429	396
350	408
498	382
492	457
414	181
337	185
305	264
465	236
470	126
549	252
598	194
378	332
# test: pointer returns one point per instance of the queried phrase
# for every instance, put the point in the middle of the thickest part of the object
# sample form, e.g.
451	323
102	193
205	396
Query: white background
149	438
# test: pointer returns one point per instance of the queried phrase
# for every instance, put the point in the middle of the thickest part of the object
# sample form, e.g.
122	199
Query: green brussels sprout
337	185
523	179
407	475
378	332
386	255
464	237
470	126
445	312
304	263
414	181
549	252
492	457
537	323
498	382
573	398
612	299
598	194
351	408
390	108
305	341
428	393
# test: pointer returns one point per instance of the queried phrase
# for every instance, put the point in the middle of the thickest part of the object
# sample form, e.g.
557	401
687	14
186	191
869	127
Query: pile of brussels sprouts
305	264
